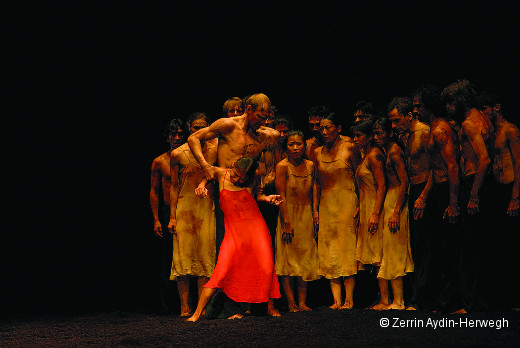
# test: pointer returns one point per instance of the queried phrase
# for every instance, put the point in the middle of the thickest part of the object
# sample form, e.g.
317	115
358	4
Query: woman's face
295	147
381	137
361	140
329	131
236	176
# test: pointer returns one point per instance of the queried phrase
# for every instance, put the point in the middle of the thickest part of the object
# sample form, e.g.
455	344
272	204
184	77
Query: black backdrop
95	86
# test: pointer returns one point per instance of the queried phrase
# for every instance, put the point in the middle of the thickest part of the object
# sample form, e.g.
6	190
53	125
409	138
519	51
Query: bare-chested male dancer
414	135
238	137
506	215
315	114
160	204
476	140
442	286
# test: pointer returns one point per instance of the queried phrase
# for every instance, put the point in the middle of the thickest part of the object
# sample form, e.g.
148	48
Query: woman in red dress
245	267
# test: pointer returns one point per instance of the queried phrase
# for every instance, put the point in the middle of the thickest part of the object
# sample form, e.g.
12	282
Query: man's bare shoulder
512	131
282	165
160	160
179	150
270	133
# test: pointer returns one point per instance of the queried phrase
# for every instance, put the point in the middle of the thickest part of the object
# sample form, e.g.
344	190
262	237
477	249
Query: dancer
370	178
245	267
334	203
396	260
192	220
296	250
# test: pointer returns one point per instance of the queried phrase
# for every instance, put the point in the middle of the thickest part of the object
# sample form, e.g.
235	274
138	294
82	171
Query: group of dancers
420	192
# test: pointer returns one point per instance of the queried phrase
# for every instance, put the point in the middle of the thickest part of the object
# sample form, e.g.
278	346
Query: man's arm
445	145
513	140
154	196
474	135
219	127
174	192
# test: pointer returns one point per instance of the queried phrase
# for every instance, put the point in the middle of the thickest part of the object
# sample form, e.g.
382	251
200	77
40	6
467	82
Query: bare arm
316	190
420	202
154	196
219	127
513	139
376	163
280	183
479	147
397	161
445	145
174	193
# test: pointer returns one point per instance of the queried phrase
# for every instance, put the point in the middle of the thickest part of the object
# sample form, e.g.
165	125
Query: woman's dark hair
173	127
332	118
295	132
364	127
248	166
430	96
318	110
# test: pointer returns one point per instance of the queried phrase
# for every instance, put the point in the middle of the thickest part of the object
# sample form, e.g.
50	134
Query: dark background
94	87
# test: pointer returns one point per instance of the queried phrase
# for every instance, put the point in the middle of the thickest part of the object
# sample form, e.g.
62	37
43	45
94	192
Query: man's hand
172	226
209	172
452	212
418	208
514	207
473	205
157	228
274	200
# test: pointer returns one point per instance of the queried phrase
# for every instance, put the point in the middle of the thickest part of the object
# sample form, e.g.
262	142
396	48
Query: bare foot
193	318
335	306
236	316
293	308
303	307
411	308
395	306
460	311
273	312
379	307
347	305
185	310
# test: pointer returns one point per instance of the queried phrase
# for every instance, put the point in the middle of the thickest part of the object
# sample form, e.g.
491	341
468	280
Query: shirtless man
476	140
238	136
315	114
506	170
160	204
414	135
442	291
232	107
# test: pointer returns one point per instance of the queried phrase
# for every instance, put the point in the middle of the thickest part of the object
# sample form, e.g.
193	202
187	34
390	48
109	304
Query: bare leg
289	293
200	284
302	294
397	289
183	284
271	310
335	287
349	283
203	301
383	301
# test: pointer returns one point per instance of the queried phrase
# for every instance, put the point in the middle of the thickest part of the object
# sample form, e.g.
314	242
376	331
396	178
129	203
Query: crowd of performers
424	193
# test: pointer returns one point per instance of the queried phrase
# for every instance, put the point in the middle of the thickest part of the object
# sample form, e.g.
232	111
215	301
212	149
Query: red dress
245	266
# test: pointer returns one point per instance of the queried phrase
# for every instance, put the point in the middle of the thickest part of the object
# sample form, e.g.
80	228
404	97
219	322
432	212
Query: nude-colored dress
337	230
194	243
300	257
369	245
397	257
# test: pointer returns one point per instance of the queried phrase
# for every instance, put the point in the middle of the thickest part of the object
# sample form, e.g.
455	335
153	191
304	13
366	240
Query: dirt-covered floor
321	327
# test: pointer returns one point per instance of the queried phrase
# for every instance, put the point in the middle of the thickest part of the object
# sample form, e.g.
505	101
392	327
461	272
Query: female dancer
296	250
336	199
397	258
245	267
192	220
370	178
